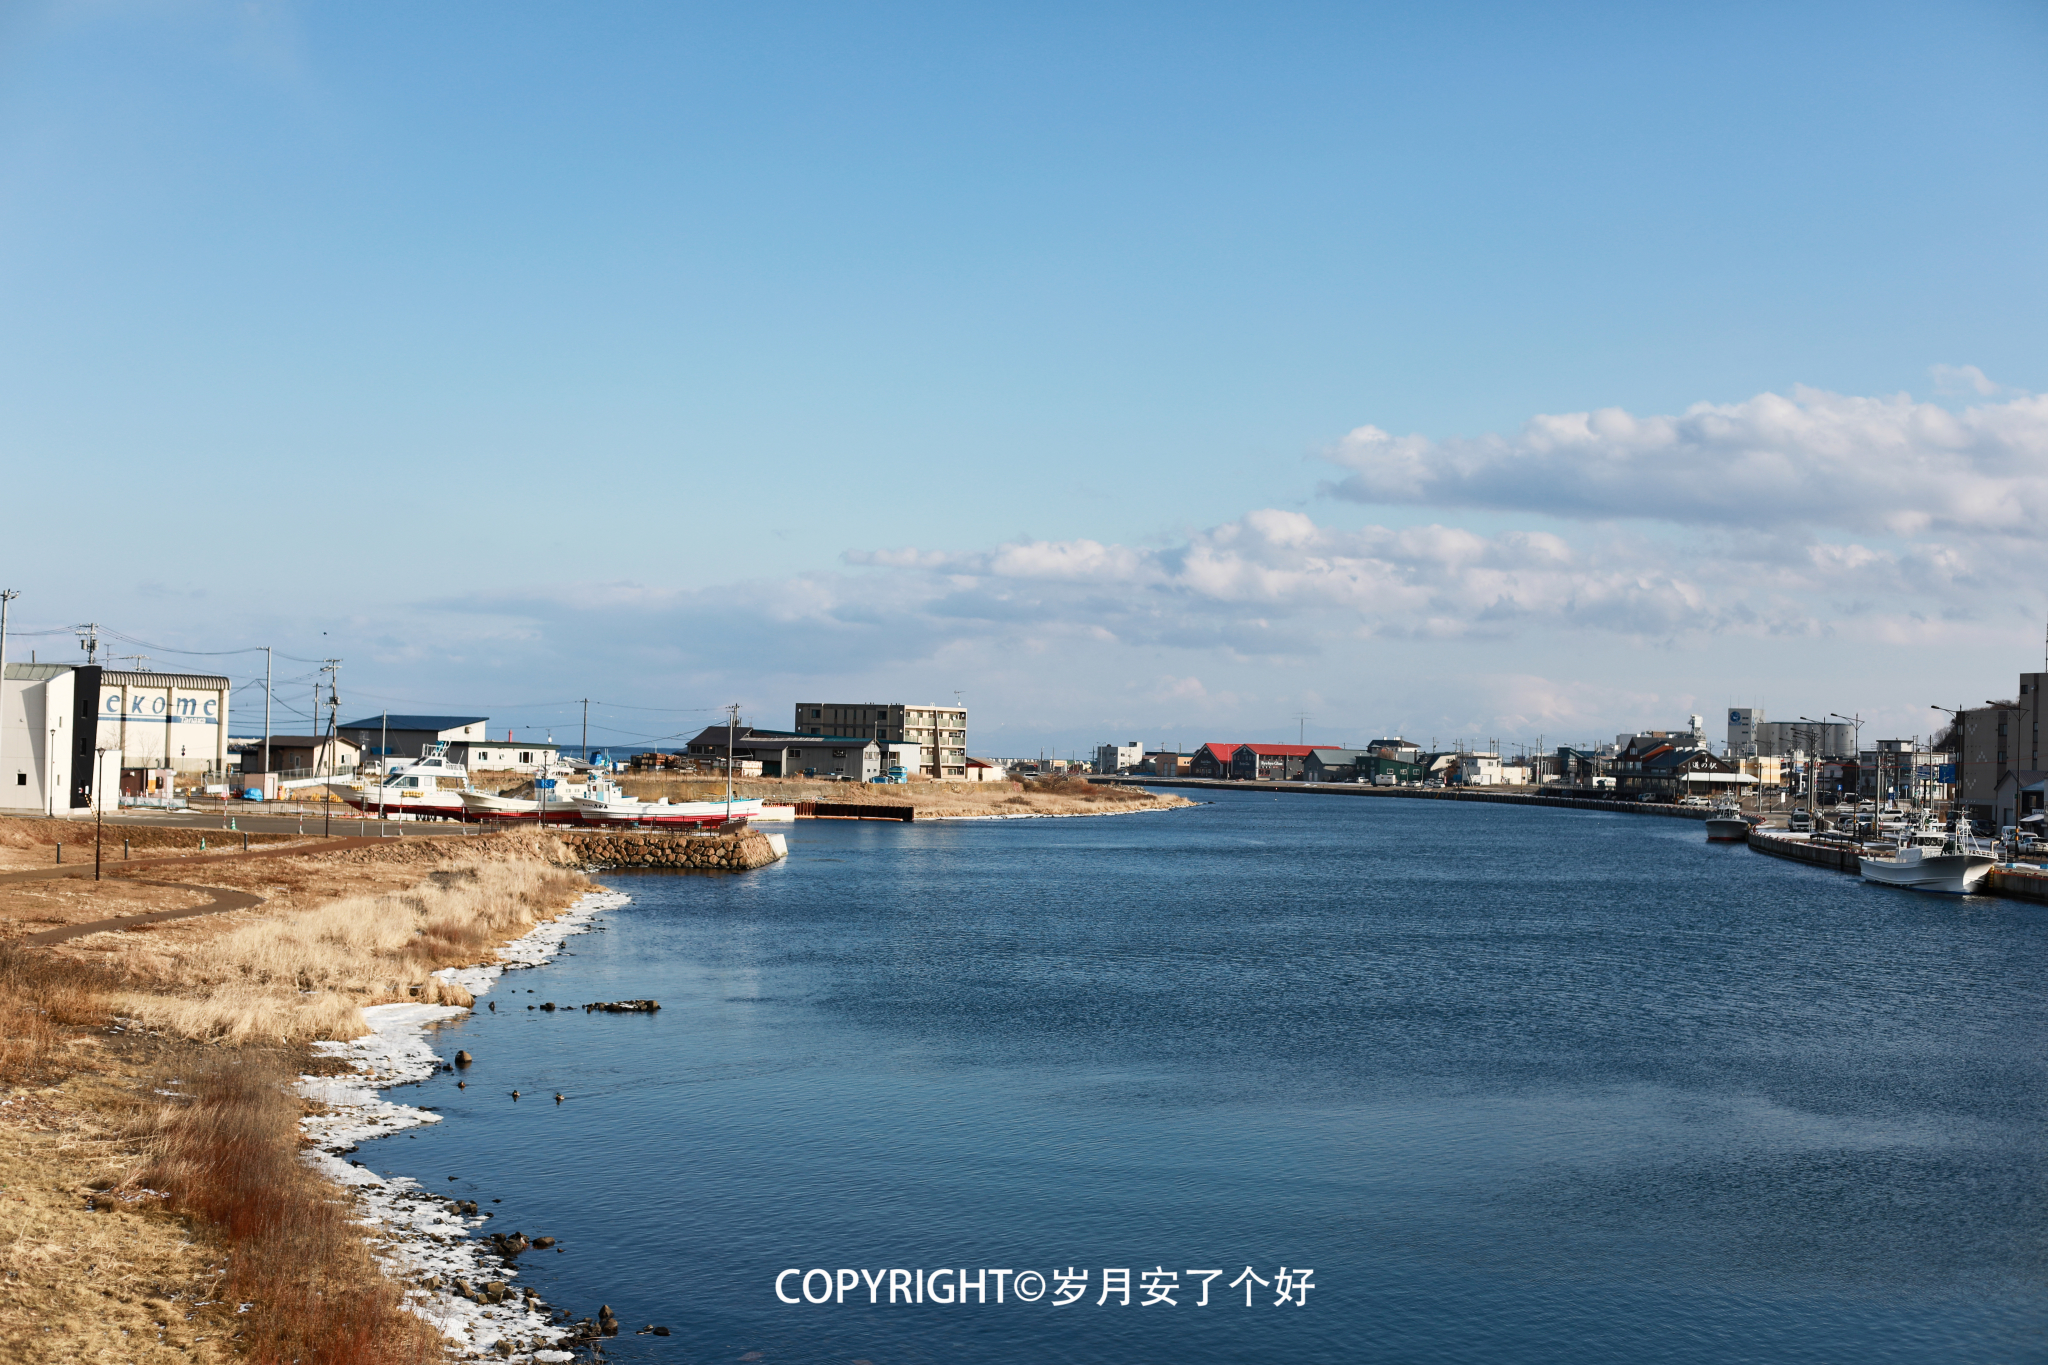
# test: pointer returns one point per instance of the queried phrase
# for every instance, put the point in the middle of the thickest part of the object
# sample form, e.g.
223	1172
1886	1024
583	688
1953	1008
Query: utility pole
1857	722
384	761
266	707
331	668
89	641
99	823
586	731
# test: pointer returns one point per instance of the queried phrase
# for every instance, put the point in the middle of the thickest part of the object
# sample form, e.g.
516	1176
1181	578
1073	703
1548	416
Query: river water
1513	1085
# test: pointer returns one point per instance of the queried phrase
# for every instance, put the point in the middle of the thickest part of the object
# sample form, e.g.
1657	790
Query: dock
2020	881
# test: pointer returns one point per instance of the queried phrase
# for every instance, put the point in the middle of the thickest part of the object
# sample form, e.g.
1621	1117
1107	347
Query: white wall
35	764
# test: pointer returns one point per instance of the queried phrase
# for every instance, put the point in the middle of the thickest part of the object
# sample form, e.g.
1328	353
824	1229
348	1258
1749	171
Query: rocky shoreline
456	1278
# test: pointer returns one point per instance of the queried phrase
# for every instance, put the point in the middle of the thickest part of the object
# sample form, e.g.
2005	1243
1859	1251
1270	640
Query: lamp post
1956	802
1813	769
99	808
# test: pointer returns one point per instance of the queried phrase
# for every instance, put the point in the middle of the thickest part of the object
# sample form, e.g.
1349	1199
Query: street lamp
1956	802
99	806
1813	769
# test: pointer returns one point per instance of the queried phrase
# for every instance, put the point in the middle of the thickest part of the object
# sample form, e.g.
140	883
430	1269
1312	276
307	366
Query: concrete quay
2020	881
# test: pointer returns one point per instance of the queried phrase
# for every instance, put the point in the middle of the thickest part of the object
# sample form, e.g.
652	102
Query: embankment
741	852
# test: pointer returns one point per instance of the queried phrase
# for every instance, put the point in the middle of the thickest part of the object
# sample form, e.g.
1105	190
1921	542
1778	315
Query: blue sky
679	355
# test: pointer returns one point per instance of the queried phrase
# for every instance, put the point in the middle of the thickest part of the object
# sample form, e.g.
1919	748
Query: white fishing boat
552	801
1727	824
411	787
1930	860
551	809
602	803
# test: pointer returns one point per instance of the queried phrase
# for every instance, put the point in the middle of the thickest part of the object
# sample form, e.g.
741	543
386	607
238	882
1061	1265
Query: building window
21	779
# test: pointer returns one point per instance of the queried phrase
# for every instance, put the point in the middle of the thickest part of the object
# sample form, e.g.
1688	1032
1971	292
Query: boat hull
673	814
1953	874
445	804
482	807
1727	831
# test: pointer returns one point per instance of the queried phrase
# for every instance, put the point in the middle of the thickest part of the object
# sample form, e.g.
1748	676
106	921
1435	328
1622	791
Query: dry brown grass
296	977
227	1156
44	1001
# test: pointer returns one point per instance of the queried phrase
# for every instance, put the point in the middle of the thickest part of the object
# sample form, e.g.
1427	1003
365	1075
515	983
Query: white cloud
1887	466
1960	379
1818	535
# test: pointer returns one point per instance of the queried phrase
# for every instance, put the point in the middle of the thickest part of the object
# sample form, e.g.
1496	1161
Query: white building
1479	770
164	720
67	731
46	720
1118	758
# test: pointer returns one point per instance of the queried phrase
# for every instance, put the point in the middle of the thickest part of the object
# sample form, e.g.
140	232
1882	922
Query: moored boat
1727	824
1931	861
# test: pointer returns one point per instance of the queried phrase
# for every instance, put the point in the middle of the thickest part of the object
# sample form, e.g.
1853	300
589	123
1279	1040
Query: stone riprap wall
741	852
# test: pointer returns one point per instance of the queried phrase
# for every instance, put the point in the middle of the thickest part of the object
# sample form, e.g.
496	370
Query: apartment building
940	732
1998	761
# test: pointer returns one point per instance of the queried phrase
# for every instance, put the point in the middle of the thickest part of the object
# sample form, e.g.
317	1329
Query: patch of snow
423	1237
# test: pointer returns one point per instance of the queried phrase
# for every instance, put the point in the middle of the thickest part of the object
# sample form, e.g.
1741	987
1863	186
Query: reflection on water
1517	1085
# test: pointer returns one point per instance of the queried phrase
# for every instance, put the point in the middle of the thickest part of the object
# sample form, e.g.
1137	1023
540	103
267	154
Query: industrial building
1751	736
68	730
940	732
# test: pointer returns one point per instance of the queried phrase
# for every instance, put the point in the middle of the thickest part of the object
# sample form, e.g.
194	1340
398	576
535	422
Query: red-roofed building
1213	760
1272	762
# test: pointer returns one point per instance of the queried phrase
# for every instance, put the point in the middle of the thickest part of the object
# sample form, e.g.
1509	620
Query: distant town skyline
1137	373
